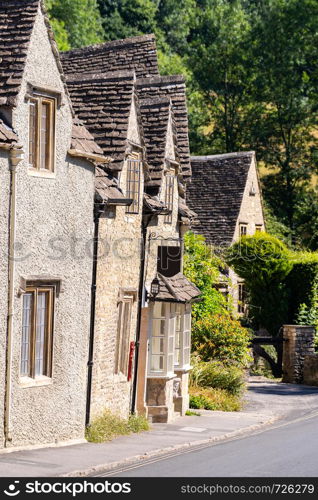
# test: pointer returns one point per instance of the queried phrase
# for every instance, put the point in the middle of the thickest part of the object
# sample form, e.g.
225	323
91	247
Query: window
169	260
123	334
183	336
37	330
241	298
169	197
162	337
258	227
243	230
42	133
133	185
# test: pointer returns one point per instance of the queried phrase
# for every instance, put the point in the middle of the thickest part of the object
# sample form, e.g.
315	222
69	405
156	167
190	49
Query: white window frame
168	338
184	339
243	229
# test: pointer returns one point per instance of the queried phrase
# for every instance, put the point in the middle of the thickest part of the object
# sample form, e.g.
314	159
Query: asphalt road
289	449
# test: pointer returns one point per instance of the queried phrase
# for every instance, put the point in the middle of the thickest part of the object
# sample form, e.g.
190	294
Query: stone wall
298	344
310	376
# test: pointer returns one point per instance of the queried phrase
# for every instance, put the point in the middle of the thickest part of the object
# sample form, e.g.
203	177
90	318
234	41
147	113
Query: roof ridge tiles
222	156
101	76
161	79
111	43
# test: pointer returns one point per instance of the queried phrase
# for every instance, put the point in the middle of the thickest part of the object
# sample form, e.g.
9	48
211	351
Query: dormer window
42	110
133	185
169	198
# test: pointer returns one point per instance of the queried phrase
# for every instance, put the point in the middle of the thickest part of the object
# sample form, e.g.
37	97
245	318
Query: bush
264	262
215	374
214	399
303	308
202	267
222	338
109	426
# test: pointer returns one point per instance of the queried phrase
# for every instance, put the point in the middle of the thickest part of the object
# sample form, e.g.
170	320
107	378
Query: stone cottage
225	193
139	118
47	193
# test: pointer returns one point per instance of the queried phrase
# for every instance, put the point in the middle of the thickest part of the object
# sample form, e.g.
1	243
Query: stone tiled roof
16	23
107	189
172	87
155	114
185	212
103	102
82	142
17	18
7	135
153	205
176	289
216	193
137	53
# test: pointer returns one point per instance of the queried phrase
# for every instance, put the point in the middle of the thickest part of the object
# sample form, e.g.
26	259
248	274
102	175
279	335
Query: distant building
226	195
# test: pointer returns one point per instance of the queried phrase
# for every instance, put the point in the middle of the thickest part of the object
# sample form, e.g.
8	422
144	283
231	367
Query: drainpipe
97	212
16	155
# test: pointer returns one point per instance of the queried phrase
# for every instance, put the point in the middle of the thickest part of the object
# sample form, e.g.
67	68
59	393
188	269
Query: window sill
35	382
34	172
162	376
183	369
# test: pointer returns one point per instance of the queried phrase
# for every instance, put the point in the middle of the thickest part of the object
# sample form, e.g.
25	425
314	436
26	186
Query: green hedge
303	285
303	282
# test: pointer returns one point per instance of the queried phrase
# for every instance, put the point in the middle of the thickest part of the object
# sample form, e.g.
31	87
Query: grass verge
109	426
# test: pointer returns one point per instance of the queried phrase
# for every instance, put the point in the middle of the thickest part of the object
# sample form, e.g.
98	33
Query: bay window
183	336
170	338
161	343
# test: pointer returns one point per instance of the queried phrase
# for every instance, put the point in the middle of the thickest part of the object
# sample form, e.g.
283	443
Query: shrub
222	338
214	399
264	262
215	374
303	308
109	426
202	267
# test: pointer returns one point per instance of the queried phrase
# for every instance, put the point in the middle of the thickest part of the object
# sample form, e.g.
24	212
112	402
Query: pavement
266	403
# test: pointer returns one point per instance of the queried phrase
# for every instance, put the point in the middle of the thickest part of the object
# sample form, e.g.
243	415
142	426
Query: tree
76	23
125	18
219	56
285	53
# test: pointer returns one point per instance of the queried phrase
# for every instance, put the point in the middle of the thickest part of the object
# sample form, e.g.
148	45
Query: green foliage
219	55
217	375
202	268
191	413
222	338
109	426
304	297
76	23
214	399
125	18
264	263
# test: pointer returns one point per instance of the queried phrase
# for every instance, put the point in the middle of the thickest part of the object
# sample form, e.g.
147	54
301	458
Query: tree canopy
252	75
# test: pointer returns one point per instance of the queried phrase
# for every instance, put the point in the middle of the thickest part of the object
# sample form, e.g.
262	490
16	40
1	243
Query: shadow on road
281	389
